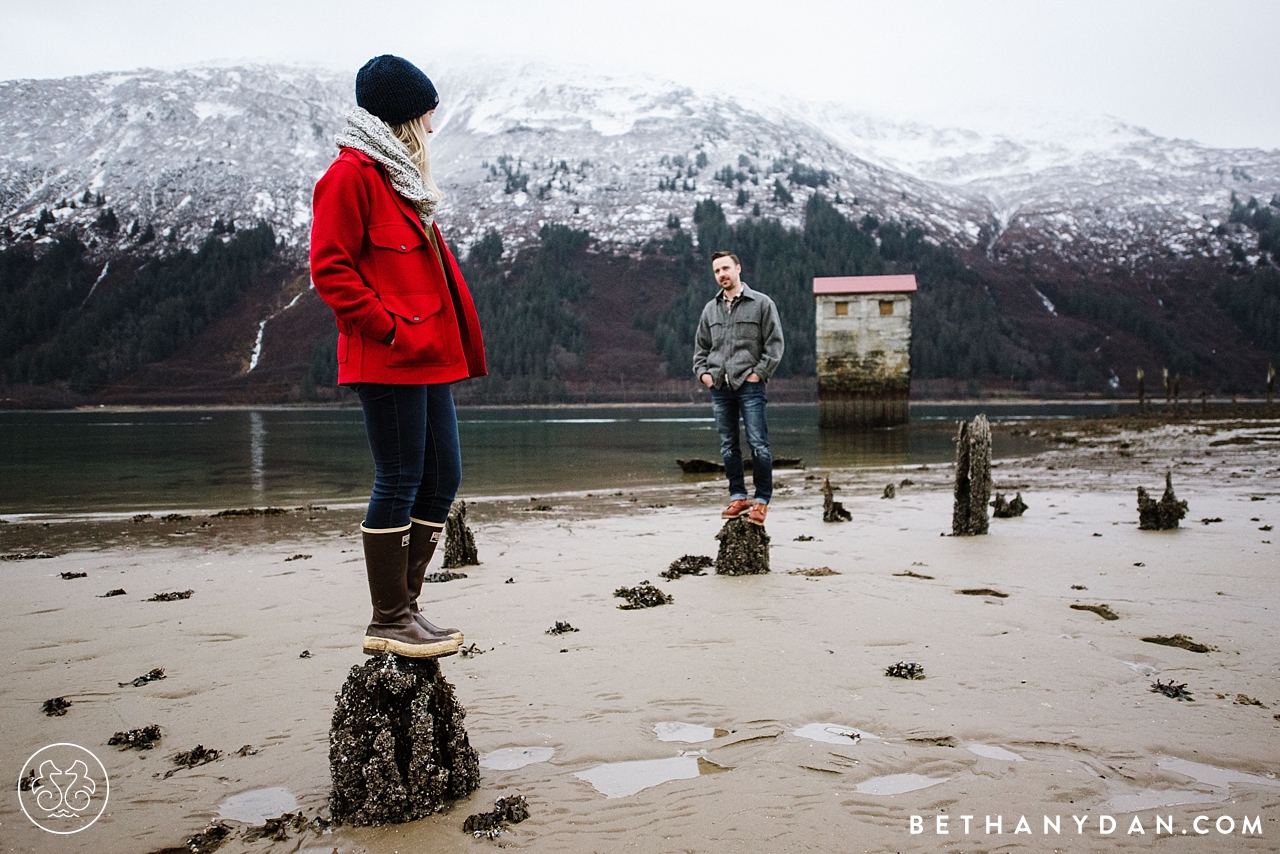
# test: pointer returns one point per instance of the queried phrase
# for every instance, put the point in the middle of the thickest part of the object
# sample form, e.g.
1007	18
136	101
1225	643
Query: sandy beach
796	738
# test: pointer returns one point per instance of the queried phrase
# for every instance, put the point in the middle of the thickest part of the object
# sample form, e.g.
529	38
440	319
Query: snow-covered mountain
519	147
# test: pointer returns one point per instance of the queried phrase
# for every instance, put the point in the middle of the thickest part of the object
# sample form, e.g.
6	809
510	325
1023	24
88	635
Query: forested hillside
67	321
564	321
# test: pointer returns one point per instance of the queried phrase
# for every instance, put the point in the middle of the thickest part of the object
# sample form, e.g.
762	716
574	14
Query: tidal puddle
896	784
257	806
511	758
619	779
1220	779
1211	775
689	733
990	751
832	733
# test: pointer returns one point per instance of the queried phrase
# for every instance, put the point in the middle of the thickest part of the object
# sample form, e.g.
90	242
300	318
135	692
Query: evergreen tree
107	222
781	194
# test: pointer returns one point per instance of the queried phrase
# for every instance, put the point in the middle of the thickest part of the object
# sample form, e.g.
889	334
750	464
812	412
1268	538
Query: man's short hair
716	256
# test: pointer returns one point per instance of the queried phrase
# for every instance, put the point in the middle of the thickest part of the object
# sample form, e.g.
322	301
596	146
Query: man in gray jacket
737	348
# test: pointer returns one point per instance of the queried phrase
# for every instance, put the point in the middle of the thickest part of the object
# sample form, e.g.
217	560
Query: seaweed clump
56	707
744	548
171	597
982	591
1103	611
905	670
278	828
561	628
397	746
154	675
248	512
1002	508
1169	689
1162	515
198	755
1180	641
440	577
511	809
143	738
205	842
688	565
643	595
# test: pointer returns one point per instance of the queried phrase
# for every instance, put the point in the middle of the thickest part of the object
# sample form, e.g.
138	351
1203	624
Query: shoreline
1155	407
1029	706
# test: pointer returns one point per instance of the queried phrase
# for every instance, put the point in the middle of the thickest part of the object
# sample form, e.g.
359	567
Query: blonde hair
414	137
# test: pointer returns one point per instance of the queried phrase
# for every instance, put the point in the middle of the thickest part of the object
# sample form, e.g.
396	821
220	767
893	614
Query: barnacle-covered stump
973	478
397	747
1002	508
832	510
1162	515
459	543
744	548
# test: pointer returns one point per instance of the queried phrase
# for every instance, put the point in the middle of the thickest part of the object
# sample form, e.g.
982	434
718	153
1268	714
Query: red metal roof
864	285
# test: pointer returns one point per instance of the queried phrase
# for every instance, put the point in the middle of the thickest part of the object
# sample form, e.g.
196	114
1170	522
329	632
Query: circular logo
63	788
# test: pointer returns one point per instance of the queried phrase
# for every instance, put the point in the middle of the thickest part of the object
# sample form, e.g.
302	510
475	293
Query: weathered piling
744	548
459	543
1162	515
832	510
1002	508
973	478
397	747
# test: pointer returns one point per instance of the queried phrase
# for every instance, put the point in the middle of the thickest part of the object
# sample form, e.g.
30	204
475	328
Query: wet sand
798	739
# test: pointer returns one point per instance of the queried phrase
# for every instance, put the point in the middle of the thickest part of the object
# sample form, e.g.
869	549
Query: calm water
120	461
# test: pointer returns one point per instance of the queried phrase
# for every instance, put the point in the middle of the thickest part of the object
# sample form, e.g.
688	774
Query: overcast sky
1205	70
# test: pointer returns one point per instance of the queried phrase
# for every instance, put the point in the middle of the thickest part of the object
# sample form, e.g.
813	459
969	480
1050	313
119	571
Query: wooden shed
863	349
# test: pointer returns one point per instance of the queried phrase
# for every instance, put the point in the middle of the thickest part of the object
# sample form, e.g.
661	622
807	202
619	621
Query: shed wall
863	360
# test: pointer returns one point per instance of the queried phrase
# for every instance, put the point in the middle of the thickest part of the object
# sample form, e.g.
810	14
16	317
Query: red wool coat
372	259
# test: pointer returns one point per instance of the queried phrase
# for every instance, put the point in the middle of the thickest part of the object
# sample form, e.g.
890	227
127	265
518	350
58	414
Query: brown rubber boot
423	539
386	558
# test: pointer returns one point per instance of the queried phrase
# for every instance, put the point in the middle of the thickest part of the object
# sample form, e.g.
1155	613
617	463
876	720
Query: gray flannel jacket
733	341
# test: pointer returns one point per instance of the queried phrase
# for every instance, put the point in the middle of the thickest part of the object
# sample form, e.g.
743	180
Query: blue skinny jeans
417	460
748	404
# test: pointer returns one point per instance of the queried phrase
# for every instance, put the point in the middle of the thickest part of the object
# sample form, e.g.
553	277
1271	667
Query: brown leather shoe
737	507
386	558
757	513
423	539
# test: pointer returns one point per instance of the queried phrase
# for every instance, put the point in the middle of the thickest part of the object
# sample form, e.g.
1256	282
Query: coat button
401	247
416	318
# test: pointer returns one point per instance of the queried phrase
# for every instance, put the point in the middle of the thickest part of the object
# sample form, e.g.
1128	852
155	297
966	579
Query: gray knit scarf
369	134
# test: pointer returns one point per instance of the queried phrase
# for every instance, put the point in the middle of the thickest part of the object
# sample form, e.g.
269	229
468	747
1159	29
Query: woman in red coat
407	328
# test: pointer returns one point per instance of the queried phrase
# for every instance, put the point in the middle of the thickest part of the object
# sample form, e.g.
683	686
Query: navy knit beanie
394	89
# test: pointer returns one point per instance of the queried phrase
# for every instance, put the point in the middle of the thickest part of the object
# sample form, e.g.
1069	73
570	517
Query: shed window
842	309
886	306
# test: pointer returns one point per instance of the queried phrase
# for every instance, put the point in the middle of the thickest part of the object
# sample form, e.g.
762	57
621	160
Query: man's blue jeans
417	460
746	403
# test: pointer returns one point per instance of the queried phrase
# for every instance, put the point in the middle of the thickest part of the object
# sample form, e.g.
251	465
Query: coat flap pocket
413	308
396	236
